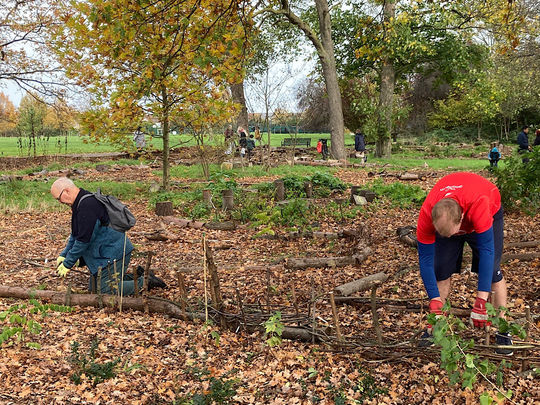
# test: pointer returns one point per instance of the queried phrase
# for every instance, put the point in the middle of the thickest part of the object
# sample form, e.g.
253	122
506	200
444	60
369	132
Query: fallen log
221	226
338	261
531	243
520	256
155	305
361	284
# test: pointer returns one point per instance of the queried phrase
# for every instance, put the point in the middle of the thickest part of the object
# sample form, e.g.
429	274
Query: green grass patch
29	196
399	162
196	172
74	144
401	195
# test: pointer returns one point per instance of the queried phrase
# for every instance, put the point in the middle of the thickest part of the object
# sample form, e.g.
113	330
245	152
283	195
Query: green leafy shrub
402	195
519	183
86	364
273	328
461	365
19	323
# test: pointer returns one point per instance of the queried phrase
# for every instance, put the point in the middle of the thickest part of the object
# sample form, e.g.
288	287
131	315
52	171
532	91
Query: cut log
221	226
308	188
227	200
161	236
409	176
181	223
207	197
361	284
164	208
155	305
532	243
280	189
520	256
338	261
407	235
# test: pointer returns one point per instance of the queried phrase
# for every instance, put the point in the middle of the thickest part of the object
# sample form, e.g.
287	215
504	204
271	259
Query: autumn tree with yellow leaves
170	60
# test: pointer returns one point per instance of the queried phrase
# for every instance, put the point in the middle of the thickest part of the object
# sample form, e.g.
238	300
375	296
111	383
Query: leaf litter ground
162	359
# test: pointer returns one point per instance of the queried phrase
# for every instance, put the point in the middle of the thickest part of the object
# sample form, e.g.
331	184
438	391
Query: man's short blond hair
445	215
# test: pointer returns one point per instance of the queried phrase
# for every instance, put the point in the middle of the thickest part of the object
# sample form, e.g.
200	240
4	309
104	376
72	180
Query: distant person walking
523	143
360	145
494	155
250	146
139	138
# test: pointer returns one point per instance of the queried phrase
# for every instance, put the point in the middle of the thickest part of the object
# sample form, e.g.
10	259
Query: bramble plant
273	329
519	183
467	367
19	322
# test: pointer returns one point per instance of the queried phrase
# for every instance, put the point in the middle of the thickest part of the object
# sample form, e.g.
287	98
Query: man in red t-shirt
462	207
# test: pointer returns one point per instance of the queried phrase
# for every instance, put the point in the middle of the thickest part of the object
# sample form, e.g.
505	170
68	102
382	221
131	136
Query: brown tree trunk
339	261
328	62
165	124
238	96
324	46
386	97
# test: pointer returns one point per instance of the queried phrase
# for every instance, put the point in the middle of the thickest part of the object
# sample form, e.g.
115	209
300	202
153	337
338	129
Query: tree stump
207	197
164	208
280	190
308	188
227	200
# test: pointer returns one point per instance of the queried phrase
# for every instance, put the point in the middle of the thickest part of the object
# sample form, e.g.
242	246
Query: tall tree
158	58
25	59
321	38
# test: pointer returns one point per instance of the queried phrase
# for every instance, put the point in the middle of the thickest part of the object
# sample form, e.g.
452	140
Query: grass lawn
10	146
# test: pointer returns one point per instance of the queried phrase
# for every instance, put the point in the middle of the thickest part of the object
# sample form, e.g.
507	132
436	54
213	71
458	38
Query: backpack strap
83	197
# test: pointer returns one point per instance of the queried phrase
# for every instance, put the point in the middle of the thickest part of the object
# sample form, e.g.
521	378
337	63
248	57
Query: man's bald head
446	216
64	190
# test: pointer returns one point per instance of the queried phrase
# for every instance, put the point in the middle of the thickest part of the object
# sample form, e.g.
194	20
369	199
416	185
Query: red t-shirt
478	198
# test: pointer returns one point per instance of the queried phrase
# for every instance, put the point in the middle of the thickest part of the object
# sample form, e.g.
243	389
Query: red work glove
479	314
435	307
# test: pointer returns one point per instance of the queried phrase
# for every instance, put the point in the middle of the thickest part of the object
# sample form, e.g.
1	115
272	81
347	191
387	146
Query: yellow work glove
62	270
61	260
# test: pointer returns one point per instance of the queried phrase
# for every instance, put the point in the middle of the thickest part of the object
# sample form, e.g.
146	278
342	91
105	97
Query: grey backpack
120	217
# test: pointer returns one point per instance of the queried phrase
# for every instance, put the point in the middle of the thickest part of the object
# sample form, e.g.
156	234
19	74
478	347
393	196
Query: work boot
426	339
153	280
503	339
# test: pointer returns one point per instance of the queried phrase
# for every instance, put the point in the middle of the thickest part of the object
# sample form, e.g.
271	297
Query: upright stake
525	360
295	303
241	307
204	278
183	293
374	314
135	283
100	298
268	290
335	316
313	321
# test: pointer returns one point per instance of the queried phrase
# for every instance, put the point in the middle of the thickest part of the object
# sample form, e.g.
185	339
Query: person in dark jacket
93	243
523	143
359	145
537	139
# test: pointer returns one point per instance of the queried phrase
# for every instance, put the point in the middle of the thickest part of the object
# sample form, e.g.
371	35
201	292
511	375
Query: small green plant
86	364
220	390
402	195
460	365
519	183
273	329
19	323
